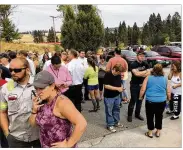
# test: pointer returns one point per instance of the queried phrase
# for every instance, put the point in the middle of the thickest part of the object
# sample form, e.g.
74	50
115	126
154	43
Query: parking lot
96	121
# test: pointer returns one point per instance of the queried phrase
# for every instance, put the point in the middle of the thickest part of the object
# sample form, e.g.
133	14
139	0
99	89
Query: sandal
157	135
147	134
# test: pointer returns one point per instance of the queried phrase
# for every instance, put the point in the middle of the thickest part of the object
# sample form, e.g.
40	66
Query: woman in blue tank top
157	91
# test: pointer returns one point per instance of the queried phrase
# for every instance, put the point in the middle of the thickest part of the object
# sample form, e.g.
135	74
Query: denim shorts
93	87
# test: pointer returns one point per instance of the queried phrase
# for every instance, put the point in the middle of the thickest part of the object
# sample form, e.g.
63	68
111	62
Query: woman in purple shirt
55	115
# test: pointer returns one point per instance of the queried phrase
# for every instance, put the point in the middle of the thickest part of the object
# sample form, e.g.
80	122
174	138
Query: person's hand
174	86
120	89
36	105
62	144
140	98
6	133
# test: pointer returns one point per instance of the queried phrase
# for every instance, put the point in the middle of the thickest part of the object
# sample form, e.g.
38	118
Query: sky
37	17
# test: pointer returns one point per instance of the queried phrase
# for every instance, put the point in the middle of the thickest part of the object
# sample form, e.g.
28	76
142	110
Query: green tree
9	31
51	36
107	38
176	24
89	28
123	33
145	34
135	34
130	32
38	36
68	29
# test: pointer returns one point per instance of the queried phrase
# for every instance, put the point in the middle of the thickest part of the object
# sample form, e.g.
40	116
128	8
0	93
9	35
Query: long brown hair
91	62
177	65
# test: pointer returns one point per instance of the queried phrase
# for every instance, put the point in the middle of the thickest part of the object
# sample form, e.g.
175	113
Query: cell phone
39	99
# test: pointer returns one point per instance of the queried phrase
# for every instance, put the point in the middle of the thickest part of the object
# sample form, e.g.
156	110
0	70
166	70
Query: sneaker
129	119
139	117
112	129
174	117
119	125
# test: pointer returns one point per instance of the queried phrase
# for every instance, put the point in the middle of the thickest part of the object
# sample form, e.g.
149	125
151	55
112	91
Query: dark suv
168	51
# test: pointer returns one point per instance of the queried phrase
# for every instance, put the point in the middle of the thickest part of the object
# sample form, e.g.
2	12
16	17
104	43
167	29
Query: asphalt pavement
96	127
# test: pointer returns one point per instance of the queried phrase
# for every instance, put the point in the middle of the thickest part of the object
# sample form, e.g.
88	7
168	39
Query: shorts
93	87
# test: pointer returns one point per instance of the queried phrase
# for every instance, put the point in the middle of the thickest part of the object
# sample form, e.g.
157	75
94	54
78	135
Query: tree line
154	32
82	29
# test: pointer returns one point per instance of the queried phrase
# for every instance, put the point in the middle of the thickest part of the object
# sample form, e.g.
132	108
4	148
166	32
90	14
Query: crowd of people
41	95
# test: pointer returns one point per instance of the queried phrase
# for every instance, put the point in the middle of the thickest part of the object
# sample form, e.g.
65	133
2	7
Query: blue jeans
112	110
124	93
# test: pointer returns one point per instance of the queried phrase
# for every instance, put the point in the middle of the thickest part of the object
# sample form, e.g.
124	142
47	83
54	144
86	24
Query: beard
20	79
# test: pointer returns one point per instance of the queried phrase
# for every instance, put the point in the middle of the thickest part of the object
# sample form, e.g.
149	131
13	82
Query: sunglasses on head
16	70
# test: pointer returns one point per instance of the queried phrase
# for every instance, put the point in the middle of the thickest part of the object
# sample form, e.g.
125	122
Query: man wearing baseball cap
140	70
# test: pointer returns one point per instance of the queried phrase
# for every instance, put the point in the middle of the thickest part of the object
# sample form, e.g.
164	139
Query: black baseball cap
141	52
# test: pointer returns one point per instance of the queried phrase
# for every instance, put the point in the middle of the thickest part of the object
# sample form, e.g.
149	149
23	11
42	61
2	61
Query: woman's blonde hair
157	70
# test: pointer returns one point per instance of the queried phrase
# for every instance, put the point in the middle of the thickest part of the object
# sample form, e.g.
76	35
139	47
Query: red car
168	51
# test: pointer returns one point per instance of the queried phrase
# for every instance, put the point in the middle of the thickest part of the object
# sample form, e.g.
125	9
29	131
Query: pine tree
176	25
145	35
135	34
107	38
9	31
130	32
122	33
51	36
90	29
68	29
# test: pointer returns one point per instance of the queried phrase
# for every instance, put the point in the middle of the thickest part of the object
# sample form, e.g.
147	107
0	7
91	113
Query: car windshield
152	54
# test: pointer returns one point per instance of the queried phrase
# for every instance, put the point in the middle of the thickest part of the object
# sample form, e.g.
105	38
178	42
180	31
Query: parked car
129	56
168	51
154	58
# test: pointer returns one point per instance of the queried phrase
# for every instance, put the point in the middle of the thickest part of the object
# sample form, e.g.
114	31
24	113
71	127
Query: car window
176	49
163	49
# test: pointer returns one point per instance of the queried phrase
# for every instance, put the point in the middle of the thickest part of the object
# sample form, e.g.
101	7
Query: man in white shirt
76	70
84	62
24	54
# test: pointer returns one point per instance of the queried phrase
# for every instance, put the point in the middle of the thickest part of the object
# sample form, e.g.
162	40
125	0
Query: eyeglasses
16	70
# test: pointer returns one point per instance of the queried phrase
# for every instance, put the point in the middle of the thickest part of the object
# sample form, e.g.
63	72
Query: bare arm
32	120
143	88
139	73
170	75
4	124
109	87
168	91
148	72
68	111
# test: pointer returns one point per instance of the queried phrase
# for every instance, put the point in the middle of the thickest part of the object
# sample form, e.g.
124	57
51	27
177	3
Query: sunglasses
16	70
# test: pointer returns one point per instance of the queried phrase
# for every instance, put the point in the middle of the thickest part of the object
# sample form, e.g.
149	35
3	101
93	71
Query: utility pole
53	17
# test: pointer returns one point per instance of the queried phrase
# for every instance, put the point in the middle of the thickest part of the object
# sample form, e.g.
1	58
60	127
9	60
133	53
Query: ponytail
91	62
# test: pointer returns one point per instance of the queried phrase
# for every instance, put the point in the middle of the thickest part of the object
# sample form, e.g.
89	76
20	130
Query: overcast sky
31	17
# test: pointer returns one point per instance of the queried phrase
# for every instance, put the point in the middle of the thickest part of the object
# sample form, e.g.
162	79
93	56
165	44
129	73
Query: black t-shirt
110	79
141	67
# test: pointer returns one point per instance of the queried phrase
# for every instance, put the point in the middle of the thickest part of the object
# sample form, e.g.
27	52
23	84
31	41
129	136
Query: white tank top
176	80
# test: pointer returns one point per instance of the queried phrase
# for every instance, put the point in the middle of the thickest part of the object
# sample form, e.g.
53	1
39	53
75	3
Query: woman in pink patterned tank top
56	115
